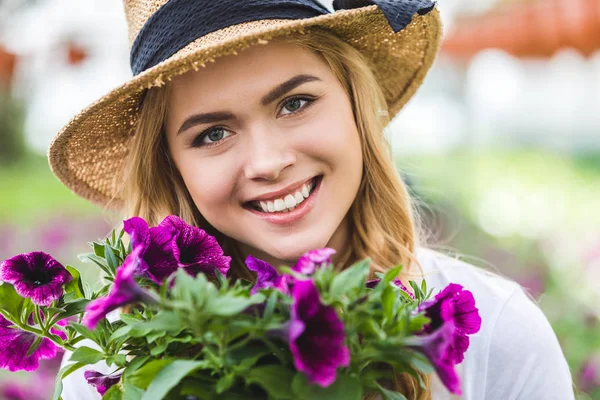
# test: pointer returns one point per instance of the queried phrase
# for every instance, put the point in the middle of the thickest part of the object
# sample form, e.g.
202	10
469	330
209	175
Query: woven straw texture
89	154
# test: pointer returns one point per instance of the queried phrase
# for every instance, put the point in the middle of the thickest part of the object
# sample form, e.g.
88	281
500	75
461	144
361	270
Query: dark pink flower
14	345
310	261
155	249
174	244
371	284
100	381
36	275
316	336
124	291
194	249
267	276
455	305
436	347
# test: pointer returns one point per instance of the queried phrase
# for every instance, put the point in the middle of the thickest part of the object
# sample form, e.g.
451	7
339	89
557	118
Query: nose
268	155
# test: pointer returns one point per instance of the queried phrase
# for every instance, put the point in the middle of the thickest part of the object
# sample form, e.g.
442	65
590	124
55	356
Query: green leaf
131	392
421	363
75	286
114	393
87	355
344	388
163	321
159	348
388	299
118	359
169	377
390	395
98	249
230	304
134	365
391	274
144	375
111	258
353	278
34	346
100	262
225	383
63	373
119	333
84	331
11	304
274	379
74	307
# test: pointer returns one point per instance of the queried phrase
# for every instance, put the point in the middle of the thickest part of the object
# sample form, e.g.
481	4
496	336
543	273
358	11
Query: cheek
210	183
333	137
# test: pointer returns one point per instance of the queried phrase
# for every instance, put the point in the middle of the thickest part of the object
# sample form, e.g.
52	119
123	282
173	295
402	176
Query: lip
290	189
296	214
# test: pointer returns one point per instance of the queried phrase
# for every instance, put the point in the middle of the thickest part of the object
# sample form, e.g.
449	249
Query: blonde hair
383	222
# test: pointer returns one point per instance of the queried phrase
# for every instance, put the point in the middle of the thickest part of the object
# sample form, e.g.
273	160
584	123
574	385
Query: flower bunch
299	332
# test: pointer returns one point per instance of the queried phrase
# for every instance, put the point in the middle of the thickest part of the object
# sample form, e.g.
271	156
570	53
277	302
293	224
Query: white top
515	355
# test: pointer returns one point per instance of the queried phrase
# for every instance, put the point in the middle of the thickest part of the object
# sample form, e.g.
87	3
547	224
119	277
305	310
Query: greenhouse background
501	148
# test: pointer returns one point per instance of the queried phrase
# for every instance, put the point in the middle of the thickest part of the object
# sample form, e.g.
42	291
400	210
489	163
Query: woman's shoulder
489	288
516	350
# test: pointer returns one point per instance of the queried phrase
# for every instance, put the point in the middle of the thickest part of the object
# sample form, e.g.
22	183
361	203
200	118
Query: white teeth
298	197
305	191
279	205
290	201
264	206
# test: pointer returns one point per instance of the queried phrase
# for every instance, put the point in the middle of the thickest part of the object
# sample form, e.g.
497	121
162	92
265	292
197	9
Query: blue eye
211	137
295	105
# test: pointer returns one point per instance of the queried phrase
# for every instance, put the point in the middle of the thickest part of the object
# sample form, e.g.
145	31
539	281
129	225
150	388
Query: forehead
257	68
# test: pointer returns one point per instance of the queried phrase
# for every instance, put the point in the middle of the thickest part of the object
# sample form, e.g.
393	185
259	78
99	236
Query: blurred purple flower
371	284
36	275
8	234
14	345
310	261
100	381
124	291
437	347
267	276
54	235
457	306
316	336
589	376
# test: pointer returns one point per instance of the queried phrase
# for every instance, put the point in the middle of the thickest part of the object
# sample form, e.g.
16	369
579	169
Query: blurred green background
500	147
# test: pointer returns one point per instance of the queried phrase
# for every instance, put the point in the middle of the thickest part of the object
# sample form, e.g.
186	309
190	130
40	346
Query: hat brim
89	154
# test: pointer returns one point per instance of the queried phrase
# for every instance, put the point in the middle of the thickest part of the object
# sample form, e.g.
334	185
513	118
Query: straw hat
399	38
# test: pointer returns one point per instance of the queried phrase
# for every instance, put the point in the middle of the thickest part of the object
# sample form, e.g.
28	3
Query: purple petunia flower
453	304
175	244
437	348
124	291
154	245
371	284
316	336
267	276
100	381
36	275
310	261
14	345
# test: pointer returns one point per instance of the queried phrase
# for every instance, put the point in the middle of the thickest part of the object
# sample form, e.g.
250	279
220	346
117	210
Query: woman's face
268	148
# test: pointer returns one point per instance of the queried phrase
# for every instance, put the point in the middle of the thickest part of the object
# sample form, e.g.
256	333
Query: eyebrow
270	97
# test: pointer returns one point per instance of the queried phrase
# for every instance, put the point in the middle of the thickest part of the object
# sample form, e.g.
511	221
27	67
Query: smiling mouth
285	203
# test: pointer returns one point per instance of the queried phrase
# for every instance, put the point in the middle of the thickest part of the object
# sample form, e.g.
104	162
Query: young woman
262	123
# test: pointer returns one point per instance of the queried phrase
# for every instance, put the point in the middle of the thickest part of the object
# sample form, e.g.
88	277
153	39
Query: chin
291	250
